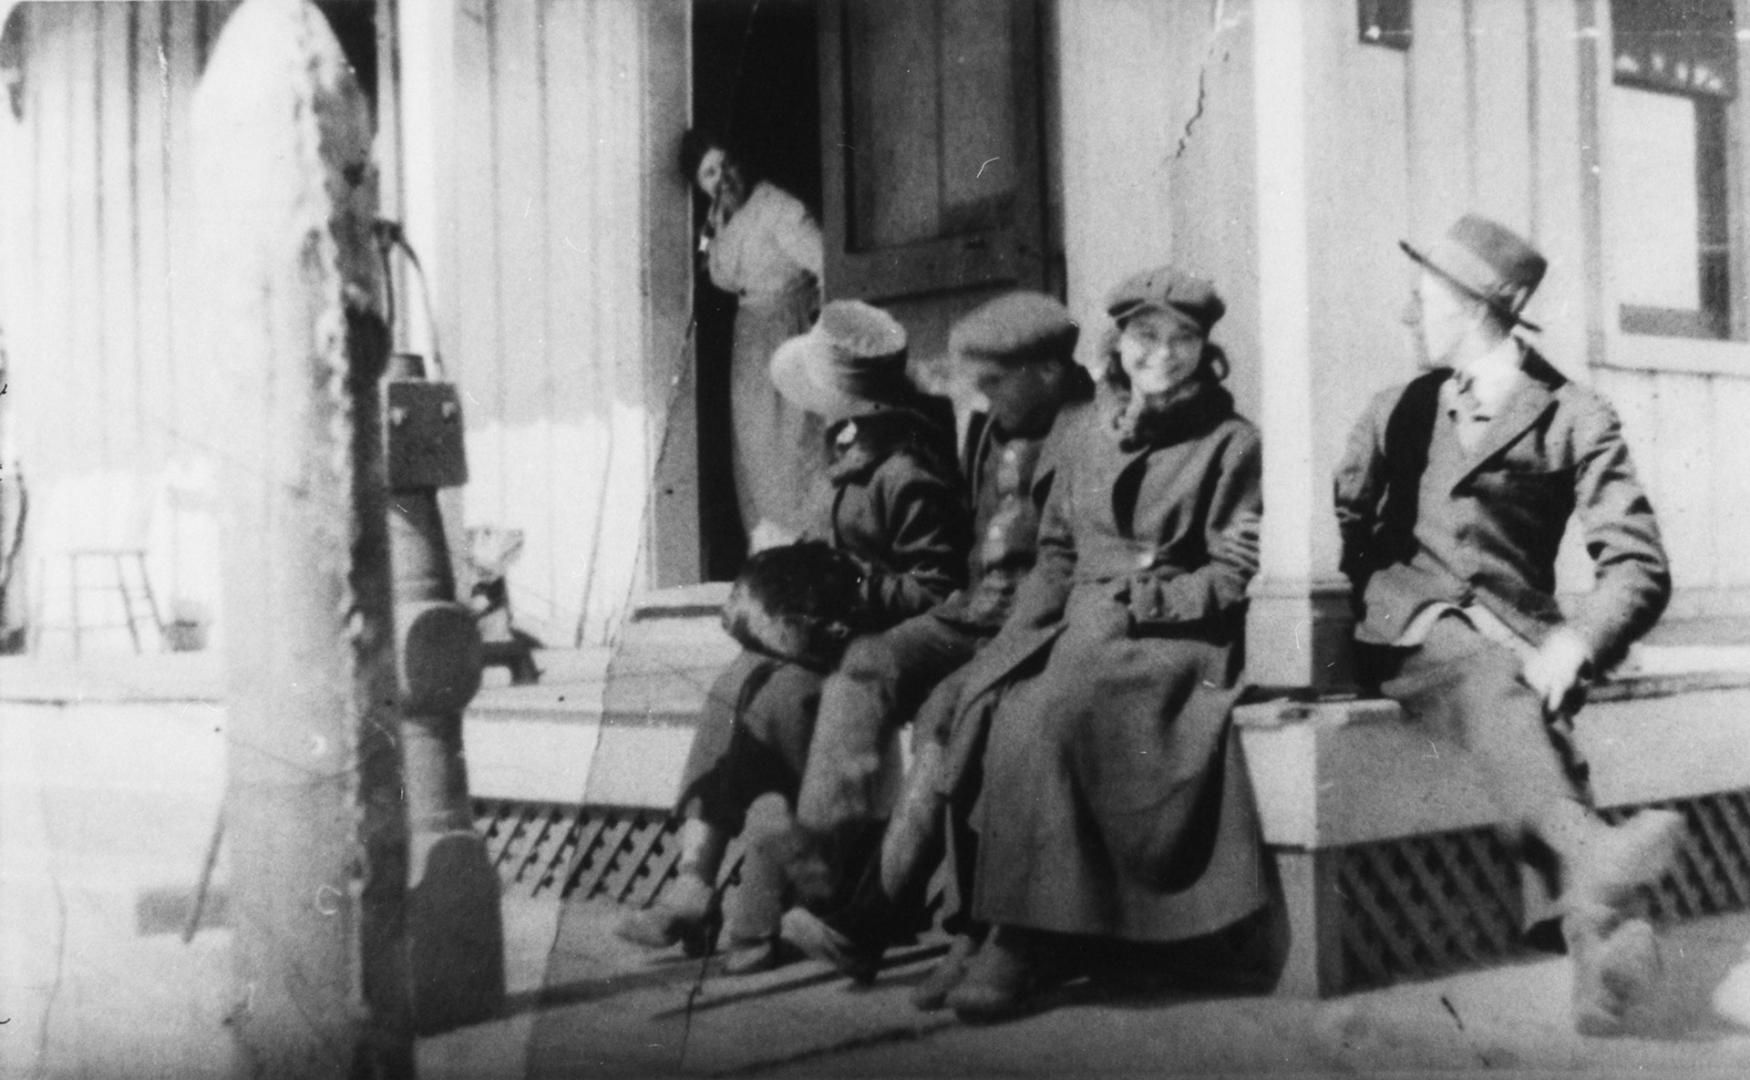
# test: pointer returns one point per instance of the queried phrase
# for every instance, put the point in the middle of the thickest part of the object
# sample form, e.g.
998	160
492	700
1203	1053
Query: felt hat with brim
851	362
1015	328
1190	299
1487	261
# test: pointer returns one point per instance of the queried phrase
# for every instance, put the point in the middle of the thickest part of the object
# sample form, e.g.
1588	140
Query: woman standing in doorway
764	247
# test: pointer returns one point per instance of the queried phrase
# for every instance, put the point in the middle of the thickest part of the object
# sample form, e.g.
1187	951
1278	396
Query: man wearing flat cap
1017	352
1452	497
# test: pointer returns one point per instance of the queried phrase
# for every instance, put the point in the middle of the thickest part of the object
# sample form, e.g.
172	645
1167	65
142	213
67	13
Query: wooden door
932	174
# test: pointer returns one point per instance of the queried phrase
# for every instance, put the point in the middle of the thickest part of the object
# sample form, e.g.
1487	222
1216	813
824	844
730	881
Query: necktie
1467	411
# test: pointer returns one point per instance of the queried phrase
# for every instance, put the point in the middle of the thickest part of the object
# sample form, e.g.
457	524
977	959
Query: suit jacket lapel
1521	410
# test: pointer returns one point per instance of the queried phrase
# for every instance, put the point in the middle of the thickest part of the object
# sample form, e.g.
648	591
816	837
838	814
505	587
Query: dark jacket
1006	509
1487	526
892	499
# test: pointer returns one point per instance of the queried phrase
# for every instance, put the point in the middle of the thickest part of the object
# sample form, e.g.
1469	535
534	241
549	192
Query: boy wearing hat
1452	498
889	505
1018	352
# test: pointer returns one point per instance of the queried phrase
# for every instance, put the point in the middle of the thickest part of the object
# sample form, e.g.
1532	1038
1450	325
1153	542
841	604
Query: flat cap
1169	289
1014	328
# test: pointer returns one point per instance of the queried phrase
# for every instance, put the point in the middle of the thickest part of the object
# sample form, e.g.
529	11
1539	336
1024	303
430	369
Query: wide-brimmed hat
1486	260
1190	299
851	362
1015	328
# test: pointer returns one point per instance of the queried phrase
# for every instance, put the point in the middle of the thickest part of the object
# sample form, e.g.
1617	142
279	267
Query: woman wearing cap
762	245
1109	812
888	500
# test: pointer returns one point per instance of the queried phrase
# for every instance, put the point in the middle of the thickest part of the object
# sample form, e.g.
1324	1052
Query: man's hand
1558	669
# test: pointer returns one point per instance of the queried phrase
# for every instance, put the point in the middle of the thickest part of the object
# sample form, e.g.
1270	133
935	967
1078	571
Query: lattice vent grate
1425	905
556	850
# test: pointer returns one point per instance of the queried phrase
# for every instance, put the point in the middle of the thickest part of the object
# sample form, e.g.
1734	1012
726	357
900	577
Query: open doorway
755	79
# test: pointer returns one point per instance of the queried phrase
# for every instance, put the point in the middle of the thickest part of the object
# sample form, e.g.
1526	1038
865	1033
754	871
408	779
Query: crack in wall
1219	25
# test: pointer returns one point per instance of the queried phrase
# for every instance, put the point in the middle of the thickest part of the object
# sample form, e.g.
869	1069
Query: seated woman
889	503
1110	819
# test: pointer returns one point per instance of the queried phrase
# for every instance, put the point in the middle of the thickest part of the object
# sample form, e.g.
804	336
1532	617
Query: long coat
1488	533
1110	803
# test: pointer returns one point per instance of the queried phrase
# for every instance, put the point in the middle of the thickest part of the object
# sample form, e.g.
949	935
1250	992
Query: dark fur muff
801	602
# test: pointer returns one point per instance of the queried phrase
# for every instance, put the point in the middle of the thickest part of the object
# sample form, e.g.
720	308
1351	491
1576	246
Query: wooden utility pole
315	823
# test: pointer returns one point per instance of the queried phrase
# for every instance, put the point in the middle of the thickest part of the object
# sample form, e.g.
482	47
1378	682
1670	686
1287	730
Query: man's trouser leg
879	684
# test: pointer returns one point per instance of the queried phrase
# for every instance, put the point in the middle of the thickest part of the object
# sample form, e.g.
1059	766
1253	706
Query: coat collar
1534	396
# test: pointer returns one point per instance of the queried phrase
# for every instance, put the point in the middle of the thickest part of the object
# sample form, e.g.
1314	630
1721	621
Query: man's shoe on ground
817	938
1002	980
1616	968
932	993
758	955
687	914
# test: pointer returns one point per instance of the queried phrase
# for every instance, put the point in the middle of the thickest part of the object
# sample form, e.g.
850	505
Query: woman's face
1158	352
716	171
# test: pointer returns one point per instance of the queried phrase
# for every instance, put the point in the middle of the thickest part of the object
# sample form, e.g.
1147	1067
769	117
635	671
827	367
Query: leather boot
1616	967
819	939
1003	978
932	993
688	911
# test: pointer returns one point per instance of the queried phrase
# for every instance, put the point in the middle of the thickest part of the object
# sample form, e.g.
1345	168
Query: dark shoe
687	914
1616	967
807	931
932	993
758	955
1000	981
1620	858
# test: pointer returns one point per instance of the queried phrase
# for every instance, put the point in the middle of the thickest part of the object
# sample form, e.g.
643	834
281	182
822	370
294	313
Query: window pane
1655	204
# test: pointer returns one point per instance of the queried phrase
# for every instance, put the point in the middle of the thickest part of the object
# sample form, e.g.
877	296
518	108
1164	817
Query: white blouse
768	247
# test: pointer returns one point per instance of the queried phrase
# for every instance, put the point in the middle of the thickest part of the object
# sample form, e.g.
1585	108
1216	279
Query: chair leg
121	582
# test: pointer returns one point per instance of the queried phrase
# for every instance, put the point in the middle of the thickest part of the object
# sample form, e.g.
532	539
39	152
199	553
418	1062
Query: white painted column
1298	630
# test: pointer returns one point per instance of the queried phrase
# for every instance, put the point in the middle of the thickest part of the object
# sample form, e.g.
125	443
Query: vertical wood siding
568	230
1494	121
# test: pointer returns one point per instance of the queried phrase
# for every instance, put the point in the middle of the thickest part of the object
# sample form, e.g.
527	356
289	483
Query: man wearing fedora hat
1452	498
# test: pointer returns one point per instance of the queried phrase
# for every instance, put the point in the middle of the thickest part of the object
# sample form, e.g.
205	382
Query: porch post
314	817
1298	630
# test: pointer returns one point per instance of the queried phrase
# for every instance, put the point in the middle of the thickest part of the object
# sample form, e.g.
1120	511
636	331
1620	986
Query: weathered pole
315	826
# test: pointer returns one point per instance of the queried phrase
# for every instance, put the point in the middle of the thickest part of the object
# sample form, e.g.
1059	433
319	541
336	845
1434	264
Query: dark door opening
756	80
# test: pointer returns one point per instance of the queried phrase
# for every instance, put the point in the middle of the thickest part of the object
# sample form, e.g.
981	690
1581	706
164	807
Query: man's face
1023	397
1439	318
1158	351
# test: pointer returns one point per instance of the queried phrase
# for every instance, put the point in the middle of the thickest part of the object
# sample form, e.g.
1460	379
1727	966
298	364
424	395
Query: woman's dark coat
890	498
1110	803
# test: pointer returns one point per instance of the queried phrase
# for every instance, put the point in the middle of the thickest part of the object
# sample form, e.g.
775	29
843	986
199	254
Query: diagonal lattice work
560	850
1426	905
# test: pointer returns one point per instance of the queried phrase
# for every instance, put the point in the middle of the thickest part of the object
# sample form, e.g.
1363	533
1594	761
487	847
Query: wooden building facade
1281	147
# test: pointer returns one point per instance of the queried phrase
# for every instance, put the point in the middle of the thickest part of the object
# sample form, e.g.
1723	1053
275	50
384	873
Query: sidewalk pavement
607	1009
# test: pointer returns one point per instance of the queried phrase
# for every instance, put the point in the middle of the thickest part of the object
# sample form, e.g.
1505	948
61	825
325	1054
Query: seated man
1018	352
889	504
1452	498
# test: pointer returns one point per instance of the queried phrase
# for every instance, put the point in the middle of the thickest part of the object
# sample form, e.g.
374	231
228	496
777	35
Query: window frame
1637	337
